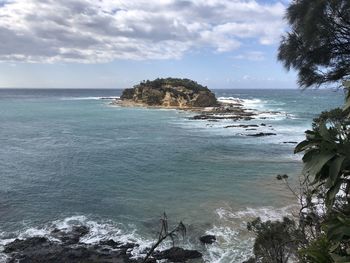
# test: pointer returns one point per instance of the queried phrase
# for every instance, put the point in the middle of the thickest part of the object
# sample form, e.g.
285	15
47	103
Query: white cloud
91	31
251	55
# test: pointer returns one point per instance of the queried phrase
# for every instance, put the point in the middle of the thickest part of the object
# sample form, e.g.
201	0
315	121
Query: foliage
317	251
318	48
165	233
327	154
318	43
327	165
174	82
276	242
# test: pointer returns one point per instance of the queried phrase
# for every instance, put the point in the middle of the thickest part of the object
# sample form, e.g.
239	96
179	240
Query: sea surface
68	157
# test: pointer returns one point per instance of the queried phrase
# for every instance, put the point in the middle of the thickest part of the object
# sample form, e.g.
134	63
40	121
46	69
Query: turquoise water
68	156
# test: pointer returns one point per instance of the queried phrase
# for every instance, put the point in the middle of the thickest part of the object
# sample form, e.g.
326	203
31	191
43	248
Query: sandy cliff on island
169	93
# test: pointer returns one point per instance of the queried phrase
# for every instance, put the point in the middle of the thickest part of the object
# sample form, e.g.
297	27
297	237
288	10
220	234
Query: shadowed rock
176	254
260	134
207	239
70	249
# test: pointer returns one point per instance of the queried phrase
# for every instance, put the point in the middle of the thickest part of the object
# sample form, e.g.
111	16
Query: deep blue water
66	155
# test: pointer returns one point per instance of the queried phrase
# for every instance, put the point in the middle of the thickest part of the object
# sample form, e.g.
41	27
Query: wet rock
260	134
291	142
177	254
111	243
241	126
42	249
70	237
207	239
20	245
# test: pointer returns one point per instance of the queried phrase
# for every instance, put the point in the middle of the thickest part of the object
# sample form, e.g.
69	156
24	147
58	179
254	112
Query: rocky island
170	93
186	94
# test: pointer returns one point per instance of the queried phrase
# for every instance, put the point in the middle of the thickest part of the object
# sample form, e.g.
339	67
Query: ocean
69	157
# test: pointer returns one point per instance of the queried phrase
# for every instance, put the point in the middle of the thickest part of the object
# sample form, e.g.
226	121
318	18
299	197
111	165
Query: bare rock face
171	92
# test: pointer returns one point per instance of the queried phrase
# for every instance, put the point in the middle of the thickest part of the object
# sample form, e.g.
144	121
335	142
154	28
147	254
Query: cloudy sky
117	43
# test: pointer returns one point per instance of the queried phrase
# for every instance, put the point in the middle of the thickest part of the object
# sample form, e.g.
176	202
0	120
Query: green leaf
332	192
324	132
334	170
302	146
337	230
340	259
315	161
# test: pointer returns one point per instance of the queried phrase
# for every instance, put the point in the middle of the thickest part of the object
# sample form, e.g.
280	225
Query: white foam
247	103
265	213
234	242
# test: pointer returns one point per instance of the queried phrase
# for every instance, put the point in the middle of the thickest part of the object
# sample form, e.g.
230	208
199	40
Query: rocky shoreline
234	111
66	246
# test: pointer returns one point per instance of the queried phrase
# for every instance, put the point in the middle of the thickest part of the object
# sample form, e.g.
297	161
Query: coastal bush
318	48
174	82
276	242
318	43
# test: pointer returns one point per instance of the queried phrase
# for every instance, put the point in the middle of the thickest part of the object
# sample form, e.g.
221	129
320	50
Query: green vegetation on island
170	92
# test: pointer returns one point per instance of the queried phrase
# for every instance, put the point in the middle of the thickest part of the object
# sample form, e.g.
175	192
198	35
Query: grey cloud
92	31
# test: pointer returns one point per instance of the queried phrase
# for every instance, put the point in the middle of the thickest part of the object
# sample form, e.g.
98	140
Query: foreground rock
169	92
69	248
224	111
207	239
176	254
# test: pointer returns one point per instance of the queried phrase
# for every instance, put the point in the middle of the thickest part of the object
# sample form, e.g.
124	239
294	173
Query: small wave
234	242
245	102
90	98
265	213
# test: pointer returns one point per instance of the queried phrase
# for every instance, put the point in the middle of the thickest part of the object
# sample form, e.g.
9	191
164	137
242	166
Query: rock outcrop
64	245
170	92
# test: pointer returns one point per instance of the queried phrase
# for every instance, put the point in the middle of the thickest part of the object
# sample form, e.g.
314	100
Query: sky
118	43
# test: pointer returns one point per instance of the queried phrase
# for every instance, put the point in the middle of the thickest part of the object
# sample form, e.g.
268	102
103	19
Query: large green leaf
332	192
338	228
315	162
334	170
303	146
324	132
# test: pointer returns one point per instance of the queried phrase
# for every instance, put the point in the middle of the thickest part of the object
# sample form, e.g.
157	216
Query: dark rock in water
263	124
20	245
117	245
260	134
241	126
111	243
128	245
41	249
207	239
177	254
250	129
291	142
71	237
